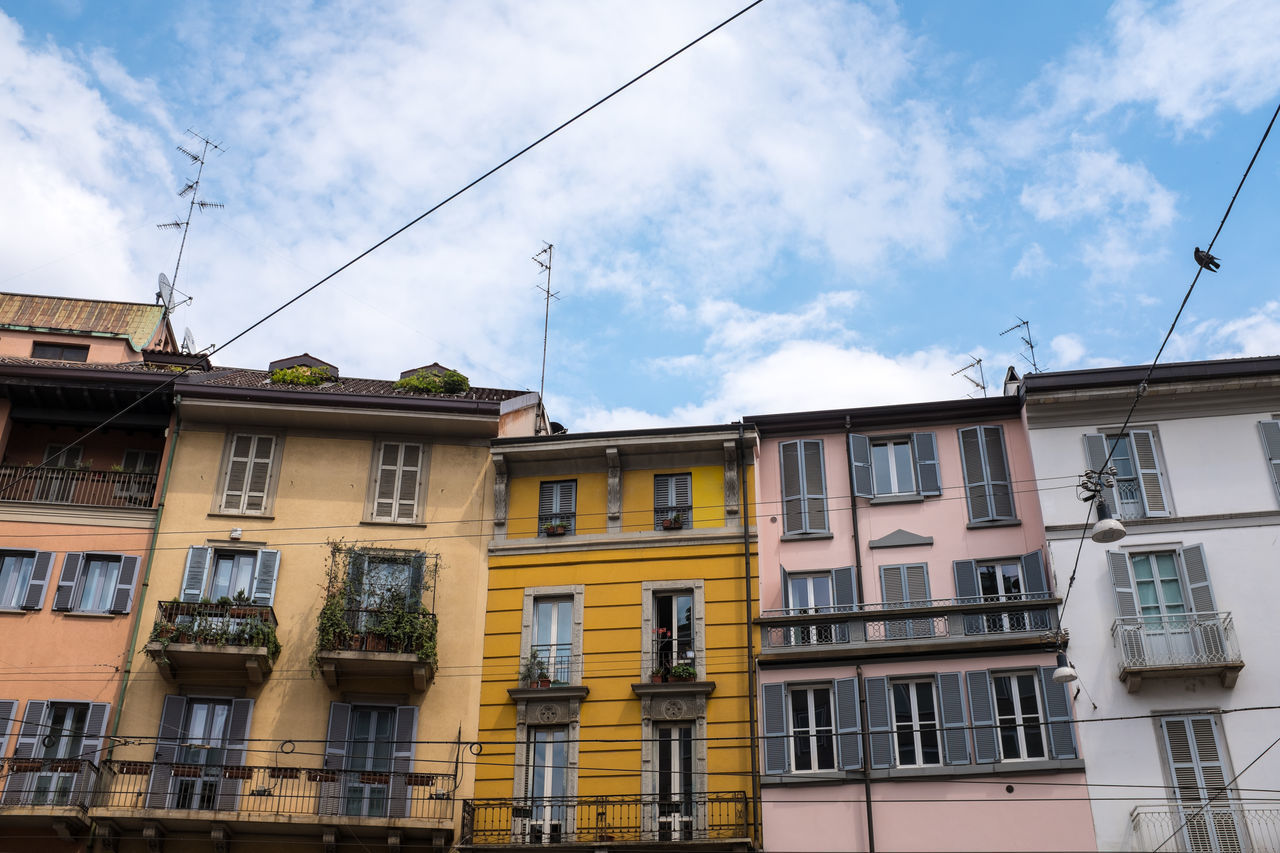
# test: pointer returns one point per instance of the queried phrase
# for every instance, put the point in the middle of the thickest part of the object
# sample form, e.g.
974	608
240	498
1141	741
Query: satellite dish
188	342
166	293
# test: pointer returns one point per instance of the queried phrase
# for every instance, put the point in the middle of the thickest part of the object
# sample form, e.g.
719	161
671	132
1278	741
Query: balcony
76	487
1186	829
392	646
209	642
713	821
916	627
38	792
1181	646
190	796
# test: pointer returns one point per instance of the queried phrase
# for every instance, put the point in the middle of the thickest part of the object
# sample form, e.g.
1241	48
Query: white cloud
1257	333
1098	185
1033	262
1067	350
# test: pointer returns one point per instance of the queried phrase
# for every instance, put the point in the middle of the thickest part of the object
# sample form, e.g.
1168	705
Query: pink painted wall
101	350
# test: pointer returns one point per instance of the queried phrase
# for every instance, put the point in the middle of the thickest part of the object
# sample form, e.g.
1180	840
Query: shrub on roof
425	381
301	375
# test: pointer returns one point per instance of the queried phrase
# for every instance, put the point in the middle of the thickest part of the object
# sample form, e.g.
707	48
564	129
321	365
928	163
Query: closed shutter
264	577
399	478
917	581
792	492
1096	450
844	593
406	730
1154	495
848	724
40	571
860	460
682	495
998	477
928	473
237	473
774	699
64	596
167	740
8	712
248	473
1057	707
335	755
1201	592
1270	431
966	575
1199	771
95	729
661	499
193	579
815	487
983	713
237	742
255	493
122	601
546	501
955	722
893	593
18	785
907	586
976	489
879	722
410	478
556	504
1035	580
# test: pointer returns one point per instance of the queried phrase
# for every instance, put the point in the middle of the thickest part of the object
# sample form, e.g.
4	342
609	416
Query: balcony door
366	789
553	635
673	634
675	801
197	773
1002	582
546	819
55	483
62	744
1208	810
1162	604
813	593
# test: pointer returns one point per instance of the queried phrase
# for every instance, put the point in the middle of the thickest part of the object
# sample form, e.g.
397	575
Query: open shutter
1057	707
976	489
661	499
417	568
8	710
167	740
193	579
879	722
566	500
64	597
786	587
999	480
966	575
1035	581
815	487
928	474
122	601
792	493
1198	579
264	577
335	755
1149	474
955	722
255	491
1095	453
860	460
844	595
848	724
774	699
95	729
1122	583
18	785
983	713
40	571
237	743
406	729
1270	431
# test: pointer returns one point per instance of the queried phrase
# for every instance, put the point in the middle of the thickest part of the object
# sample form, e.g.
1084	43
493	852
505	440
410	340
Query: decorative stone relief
731	484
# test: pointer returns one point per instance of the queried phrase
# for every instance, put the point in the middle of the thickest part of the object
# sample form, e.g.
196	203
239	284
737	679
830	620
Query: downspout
862	694
747	603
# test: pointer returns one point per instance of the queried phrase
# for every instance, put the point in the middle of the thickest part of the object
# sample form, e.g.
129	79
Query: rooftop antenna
1025	325
973	362
548	295
192	188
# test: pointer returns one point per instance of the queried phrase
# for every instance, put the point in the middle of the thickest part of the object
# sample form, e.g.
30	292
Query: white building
1176	623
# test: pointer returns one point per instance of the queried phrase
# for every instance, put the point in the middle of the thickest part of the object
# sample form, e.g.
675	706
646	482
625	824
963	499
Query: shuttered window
397	482
1198	767
232	574
804	487
208	733
1139	490
906	465
988	489
24	577
672	500
369	753
557	506
63	738
249	463
1270	431
906	586
96	583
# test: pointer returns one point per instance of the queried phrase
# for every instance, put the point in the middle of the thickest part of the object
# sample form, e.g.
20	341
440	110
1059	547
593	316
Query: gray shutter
966	575
18	784
197	568
661	491
167	739
238	459
355	582
844	594
928	473
860	459
335	755
255	490
64	597
1270	431
1057	706
1095	453
566	504
1200	777
410	475
1149	474
237	743
406	730
792	493
123	599
982	710
1198	579
8	710
786	587
977	492
95	728
682	496
879	722
264	577
893	592
1122	583
1035	580
955	722
999	480
546	501
815	487
774	699
848	724
40	571
916	578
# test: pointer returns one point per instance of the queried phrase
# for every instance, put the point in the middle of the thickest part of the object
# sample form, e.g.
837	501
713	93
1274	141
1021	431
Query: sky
822	205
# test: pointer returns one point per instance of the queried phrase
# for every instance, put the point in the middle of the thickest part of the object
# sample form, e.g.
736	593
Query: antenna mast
191	189
973	362
548	295
1025	325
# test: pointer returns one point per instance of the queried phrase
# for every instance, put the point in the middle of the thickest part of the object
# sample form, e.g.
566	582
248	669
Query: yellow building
312	616
616	698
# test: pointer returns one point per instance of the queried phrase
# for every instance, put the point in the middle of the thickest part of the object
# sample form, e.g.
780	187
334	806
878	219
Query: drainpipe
862	697
751	660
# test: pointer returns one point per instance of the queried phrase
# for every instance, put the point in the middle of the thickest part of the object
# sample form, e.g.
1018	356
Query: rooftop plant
429	382
301	374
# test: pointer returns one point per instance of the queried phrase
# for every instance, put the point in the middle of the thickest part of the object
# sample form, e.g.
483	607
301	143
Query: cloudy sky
822	205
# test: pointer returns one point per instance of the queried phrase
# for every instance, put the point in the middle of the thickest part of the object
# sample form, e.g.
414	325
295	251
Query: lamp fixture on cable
1092	483
1065	673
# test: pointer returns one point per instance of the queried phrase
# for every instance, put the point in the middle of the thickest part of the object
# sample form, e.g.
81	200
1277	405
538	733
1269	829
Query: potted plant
534	671
554	528
684	671
658	674
674	521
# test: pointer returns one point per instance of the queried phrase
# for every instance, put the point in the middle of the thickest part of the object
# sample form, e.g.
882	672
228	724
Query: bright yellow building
616	698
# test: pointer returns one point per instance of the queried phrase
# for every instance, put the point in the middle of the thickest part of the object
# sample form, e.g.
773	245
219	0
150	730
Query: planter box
26	766
237	773
188	771
419	780
321	776
375	778
69	766
284	773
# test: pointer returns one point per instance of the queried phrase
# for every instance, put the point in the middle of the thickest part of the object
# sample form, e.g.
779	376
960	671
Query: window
398	478
817	592
901	465
59	352
1018	717
56	738
1270	431
811	727
988	489
247	481
369	751
673	629
557	507
804	487
1166	606
382	583
545	786
96	583
24	576
1196	760
203	745
915	721
672	500
905	586
368	761
218	573
197	740
55	479
141	461
813	744
1139	490
553	635
675	783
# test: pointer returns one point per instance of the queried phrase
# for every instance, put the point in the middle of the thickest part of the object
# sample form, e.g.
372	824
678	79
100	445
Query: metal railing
593	820
673	517
559	664
54	783
370	628
76	486
912	620
274	791
1218	829
1188	639
214	624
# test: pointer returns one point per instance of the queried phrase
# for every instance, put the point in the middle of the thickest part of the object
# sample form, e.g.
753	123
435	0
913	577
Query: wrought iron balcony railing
216	624
1182	644
1185	828
557	663
76	486
51	783
596	820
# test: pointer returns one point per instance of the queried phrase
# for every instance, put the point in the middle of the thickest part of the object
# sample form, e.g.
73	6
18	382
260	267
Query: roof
136	322
261	379
878	417
1180	371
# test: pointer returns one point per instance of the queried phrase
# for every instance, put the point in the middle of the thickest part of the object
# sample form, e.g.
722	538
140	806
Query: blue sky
824	204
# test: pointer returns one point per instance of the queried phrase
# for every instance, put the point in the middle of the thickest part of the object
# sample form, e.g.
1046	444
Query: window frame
551	493
260	593
376	469
917	727
650	592
218	505
1150	478
810	501
20	577
69	589
980	480
533	595
81	351
672	508
813	733
1019	726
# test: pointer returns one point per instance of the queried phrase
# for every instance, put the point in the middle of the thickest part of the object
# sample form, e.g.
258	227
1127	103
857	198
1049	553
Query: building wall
102	350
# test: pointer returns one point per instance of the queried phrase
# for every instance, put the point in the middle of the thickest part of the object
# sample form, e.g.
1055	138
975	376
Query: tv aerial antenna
964	371
1025	325
543	260
192	189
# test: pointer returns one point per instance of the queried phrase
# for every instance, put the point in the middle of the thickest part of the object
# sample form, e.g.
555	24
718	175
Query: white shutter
264	577
1193	749
1149	473
1270	431
399	478
255	497
1096	450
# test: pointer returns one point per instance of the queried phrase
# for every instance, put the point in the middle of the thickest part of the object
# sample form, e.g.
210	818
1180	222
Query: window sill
90	614
827	777
264	517
381	523
800	537
1010	522
896	499
16	611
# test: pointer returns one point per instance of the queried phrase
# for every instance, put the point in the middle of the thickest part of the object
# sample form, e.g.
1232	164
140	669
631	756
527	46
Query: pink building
908	630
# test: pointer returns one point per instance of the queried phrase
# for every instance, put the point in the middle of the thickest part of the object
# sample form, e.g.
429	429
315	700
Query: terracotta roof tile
137	322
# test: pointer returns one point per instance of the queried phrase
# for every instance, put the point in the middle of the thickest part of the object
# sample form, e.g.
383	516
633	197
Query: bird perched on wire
1206	260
